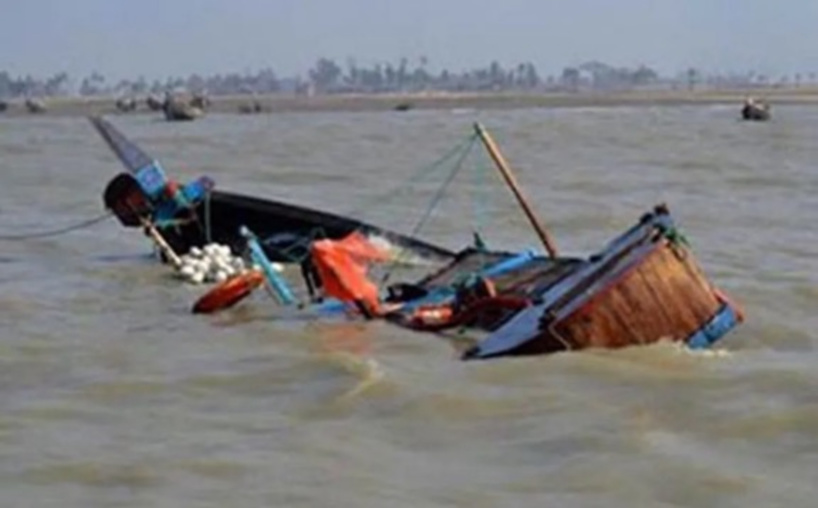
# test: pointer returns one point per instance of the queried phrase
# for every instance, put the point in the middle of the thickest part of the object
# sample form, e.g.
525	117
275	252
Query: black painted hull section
285	230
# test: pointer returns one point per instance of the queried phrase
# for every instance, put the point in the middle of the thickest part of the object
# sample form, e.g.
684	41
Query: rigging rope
442	189
60	231
386	197
433	204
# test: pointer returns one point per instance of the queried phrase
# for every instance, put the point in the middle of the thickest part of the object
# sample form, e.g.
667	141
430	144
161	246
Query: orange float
229	293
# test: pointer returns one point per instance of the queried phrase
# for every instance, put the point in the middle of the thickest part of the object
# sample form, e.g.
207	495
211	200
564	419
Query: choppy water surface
111	394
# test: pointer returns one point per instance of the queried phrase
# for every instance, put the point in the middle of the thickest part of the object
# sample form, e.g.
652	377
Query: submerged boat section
644	287
195	214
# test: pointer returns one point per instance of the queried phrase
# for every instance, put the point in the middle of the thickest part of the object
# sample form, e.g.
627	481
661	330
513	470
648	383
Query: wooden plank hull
284	229
645	287
664	296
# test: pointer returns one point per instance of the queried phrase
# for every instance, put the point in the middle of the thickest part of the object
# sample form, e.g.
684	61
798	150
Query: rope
442	189
57	232
480	201
208	236
288	252
386	197
432	205
675	236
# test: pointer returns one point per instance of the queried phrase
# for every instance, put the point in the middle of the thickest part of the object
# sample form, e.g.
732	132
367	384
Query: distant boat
179	110
755	110
35	106
251	108
404	106
126	104
155	103
201	101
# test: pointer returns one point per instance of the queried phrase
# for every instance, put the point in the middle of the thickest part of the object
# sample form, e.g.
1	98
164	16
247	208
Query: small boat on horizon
755	110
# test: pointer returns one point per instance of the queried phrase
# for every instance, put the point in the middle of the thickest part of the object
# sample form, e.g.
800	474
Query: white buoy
213	262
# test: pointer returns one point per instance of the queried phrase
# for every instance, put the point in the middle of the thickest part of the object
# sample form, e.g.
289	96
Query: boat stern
645	286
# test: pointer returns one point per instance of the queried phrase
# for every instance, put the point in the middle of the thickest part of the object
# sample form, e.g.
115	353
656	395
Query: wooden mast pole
160	242
508	176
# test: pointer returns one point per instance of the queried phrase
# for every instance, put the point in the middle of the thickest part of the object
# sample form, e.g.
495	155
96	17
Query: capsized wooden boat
643	287
195	214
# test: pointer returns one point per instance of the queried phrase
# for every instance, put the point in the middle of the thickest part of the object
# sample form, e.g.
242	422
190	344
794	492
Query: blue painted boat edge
439	296
152	179
332	306
525	326
719	325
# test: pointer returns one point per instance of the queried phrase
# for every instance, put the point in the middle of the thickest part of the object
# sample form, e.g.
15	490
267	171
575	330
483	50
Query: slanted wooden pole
160	242
508	176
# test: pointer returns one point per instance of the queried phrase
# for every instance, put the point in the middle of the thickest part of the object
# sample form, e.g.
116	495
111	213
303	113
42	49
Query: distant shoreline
276	103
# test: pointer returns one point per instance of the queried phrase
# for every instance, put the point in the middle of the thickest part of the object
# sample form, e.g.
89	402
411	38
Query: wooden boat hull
645	287
284	230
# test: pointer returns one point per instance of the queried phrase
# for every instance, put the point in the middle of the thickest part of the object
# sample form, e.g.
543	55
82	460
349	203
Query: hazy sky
157	38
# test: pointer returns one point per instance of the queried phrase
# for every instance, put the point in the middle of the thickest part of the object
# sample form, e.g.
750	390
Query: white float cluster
211	263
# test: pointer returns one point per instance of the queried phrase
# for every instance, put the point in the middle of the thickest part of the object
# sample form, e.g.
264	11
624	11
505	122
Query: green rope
432	205
415	178
169	223
675	237
442	189
480	201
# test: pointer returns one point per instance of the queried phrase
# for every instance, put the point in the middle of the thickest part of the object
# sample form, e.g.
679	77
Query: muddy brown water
112	394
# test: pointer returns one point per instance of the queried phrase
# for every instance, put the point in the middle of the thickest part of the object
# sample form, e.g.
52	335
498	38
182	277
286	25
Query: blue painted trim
440	295
525	325
196	190
152	179
277	283
330	306
509	264
437	295
724	321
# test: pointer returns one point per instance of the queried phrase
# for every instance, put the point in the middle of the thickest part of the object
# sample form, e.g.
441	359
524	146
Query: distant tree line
327	77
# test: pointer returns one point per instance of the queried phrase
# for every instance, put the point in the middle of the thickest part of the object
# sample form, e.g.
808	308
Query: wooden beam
508	176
